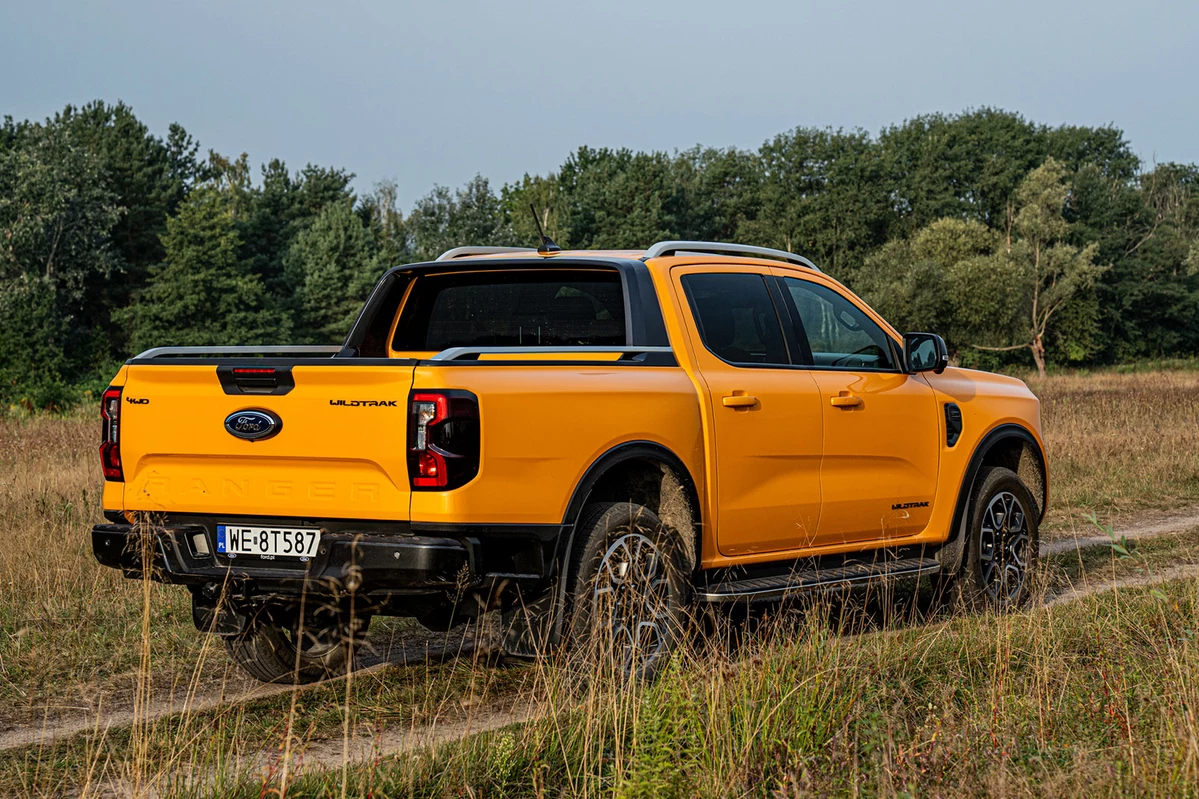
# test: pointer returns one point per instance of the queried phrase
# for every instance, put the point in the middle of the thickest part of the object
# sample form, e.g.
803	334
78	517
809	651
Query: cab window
515	308
736	318
840	335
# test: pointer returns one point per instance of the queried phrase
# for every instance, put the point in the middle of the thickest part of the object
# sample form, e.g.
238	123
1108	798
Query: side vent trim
953	423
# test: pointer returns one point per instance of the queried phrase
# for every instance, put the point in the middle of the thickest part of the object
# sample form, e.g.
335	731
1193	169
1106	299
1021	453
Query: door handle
739	401
844	401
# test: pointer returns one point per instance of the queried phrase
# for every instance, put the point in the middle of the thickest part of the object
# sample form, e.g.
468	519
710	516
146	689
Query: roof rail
247	351
722	248
464	252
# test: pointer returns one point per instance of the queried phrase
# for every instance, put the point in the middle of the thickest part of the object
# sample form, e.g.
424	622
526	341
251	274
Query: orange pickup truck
555	435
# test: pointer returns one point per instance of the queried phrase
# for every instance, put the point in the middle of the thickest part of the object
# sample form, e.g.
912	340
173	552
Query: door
765	414
878	476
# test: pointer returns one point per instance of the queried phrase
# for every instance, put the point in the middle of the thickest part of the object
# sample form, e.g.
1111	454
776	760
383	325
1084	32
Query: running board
760	589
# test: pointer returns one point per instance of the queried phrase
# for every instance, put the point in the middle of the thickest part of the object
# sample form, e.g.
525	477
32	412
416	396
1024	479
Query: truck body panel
544	425
340	453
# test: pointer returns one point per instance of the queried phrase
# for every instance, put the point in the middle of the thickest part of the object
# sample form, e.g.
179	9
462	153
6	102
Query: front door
764	413
881	433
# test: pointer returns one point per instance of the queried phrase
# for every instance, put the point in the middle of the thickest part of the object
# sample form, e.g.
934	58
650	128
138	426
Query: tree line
1021	243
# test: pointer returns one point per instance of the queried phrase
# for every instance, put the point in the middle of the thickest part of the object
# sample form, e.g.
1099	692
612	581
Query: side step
815	578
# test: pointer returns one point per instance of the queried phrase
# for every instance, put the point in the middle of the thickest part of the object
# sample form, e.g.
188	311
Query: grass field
1119	442
1097	695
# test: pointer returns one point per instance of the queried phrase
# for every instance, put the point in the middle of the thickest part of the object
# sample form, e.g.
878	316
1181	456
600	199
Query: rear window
542	308
736	318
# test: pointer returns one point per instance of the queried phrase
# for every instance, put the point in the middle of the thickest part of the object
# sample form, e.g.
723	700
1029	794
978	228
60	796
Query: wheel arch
1009	445
641	471
624	466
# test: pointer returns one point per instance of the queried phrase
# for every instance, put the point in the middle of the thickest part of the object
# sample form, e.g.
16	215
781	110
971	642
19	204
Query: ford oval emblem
253	425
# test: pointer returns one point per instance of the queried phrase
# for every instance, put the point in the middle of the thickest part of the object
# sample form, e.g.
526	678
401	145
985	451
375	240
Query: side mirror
924	352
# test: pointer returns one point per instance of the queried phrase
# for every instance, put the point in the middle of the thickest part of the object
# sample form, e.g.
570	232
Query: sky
436	92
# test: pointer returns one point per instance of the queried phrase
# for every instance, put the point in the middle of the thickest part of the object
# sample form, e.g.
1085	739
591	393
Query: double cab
593	443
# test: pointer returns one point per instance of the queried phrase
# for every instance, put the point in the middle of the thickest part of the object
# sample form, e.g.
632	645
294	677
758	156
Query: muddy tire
275	650
1000	560
628	593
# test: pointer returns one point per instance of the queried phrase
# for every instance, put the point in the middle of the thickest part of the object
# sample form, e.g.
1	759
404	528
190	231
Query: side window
840	335
736	318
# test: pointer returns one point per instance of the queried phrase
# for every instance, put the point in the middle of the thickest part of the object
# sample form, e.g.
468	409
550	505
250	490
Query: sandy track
232	688
1144	525
224	686
1183	570
326	754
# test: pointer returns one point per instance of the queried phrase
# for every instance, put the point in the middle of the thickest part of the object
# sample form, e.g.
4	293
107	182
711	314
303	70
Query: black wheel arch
610	472
1007	445
630	451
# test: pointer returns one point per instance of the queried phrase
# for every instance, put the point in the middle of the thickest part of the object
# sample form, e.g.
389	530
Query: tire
628	592
268	649
1000	560
527	627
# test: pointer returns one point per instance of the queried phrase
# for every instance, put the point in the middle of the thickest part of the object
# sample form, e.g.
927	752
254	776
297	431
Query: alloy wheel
1004	548
631	599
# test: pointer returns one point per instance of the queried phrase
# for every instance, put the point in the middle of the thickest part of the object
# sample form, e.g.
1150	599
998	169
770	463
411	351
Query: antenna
547	244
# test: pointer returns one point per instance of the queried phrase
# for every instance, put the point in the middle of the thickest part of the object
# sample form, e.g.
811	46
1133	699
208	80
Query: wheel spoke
1004	548
1013	579
631	600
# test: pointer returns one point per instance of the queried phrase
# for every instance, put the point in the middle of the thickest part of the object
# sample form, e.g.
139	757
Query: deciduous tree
56	219
1045	275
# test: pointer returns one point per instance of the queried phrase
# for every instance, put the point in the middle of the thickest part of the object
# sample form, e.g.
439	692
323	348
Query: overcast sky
434	92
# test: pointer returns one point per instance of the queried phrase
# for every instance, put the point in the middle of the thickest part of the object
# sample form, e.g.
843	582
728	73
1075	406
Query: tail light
443	439
110	435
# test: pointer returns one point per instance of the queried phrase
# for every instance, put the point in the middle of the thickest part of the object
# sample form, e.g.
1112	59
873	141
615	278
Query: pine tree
202	294
331	267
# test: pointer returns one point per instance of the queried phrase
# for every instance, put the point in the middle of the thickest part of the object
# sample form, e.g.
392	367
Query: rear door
339	451
881	432
764	413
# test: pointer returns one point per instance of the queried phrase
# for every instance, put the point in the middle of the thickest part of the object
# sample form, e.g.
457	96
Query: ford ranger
564	436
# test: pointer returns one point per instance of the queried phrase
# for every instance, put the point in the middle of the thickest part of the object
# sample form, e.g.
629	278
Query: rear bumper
364	564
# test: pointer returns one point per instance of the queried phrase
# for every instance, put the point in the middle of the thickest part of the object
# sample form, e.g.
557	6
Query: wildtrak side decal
361	403
906	505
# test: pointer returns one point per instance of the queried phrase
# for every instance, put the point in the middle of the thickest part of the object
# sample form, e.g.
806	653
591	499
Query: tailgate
339	451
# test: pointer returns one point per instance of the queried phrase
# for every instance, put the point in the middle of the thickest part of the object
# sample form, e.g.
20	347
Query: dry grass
1120	442
67	623
1096	697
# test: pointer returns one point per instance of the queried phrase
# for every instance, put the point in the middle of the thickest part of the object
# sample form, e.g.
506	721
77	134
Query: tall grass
849	698
66	624
1095	698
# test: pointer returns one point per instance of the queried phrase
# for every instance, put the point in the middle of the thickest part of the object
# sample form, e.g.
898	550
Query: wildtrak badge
906	505
360	403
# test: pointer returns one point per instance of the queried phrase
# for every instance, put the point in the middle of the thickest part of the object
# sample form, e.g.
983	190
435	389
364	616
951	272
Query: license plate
266	542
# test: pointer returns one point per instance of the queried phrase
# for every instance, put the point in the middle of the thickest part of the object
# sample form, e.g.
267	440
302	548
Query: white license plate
266	542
